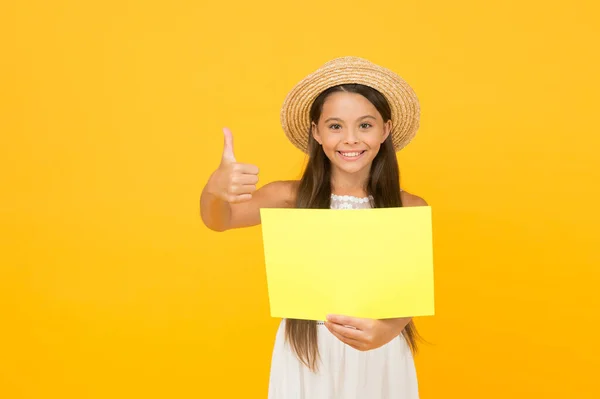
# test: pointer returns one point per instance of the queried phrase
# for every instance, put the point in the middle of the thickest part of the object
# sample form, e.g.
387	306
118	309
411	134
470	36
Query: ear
315	133
387	128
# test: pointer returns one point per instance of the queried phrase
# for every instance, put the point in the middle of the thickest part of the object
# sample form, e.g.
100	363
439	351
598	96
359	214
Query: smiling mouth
351	155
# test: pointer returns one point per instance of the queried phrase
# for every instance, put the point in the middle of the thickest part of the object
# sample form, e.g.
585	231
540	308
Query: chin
350	168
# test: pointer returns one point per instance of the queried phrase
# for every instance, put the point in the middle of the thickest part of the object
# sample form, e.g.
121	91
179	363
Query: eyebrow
338	119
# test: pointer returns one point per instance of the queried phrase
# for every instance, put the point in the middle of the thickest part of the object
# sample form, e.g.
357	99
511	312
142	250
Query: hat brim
401	97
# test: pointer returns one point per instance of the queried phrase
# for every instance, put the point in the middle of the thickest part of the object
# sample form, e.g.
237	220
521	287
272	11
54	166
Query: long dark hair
314	191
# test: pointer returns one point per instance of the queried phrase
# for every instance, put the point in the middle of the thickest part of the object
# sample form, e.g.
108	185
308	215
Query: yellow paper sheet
373	263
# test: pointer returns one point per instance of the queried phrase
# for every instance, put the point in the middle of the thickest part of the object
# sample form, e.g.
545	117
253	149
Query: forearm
215	213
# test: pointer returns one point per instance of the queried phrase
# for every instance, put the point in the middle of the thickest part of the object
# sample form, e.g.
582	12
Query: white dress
343	372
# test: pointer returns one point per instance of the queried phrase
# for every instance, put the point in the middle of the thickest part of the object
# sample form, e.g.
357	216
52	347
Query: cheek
374	142
330	143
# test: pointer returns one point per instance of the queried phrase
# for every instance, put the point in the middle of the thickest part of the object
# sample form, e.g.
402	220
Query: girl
351	117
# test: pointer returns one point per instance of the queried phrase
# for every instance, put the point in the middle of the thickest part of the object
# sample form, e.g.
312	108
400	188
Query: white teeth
350	154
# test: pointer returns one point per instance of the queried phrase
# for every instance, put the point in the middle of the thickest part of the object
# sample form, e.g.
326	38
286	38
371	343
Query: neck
354	184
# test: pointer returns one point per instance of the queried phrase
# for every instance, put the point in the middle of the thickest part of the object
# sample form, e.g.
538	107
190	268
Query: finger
246	168
355	322
236	199
347	332
245	179
228	146
242	189
348	341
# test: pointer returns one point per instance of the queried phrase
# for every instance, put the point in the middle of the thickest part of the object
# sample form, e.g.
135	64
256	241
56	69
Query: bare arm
220	215
230	199
409	199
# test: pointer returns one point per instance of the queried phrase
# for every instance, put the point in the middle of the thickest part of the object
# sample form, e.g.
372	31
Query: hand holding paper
365	334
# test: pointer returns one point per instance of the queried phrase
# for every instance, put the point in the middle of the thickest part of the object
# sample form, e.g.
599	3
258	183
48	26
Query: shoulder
283	190
409	199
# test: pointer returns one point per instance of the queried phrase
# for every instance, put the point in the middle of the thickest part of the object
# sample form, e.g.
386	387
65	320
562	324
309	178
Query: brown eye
335	126
365	125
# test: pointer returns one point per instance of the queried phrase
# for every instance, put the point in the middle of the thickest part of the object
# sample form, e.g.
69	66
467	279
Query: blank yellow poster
373	263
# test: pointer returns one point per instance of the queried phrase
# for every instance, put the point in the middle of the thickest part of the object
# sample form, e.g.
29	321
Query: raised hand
233	182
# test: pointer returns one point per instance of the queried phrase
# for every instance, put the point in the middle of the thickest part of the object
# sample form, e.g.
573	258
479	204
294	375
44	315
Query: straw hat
346	70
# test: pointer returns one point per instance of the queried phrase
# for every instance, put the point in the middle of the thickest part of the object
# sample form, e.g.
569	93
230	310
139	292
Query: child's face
351	131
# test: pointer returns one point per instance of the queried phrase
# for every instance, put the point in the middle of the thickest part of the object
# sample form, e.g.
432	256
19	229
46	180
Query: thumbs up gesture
233	182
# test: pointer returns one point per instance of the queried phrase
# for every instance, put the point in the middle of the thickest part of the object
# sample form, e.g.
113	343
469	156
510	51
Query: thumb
228	147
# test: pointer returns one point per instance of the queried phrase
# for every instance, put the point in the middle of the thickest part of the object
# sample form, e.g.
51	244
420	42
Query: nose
351	137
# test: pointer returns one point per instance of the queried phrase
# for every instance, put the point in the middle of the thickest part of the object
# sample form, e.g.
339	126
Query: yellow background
111	116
